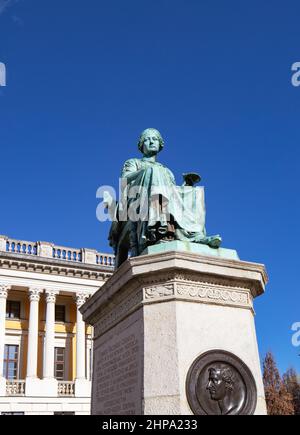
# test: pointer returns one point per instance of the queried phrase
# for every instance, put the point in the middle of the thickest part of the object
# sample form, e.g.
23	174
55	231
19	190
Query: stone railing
20	247
67	254
66	389
15	388
49	250
105	260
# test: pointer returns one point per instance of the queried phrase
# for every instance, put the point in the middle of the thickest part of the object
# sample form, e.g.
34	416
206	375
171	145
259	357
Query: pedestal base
82	388
195	248
48	387
34	387
157	317
2	386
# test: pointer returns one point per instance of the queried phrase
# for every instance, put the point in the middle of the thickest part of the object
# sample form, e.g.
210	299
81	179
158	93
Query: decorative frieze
184	287
165	288
159	291
210	292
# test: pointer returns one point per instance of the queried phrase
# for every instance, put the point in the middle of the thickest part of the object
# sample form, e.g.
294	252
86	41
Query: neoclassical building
45	347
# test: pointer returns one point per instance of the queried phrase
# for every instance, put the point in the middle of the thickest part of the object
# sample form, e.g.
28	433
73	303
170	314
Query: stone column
32	352
49	383
48	371
82	386
3	297
80	338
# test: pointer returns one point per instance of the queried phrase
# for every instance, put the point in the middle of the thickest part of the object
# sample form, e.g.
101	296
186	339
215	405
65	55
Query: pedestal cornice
174	276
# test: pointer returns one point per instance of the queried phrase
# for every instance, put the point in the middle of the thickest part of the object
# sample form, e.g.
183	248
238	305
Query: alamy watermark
2	74
144	203
296	76
296	335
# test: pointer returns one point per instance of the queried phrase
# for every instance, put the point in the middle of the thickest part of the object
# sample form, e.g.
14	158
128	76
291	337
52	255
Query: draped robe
144	181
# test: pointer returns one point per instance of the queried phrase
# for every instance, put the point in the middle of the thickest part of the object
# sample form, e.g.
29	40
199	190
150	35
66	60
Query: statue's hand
215	241
212	241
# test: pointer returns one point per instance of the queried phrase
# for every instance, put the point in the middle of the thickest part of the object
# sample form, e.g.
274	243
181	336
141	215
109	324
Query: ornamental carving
219	383
159	291
218	293
81	298
34	294
4	291
51	296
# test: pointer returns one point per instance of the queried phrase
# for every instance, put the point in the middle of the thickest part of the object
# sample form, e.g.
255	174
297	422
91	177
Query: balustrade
15	388
66	388
48	250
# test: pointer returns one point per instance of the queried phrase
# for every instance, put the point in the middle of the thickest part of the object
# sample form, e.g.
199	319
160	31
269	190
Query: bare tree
279	400
292	384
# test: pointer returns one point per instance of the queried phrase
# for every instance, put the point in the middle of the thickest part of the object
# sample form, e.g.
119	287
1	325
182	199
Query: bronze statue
155	209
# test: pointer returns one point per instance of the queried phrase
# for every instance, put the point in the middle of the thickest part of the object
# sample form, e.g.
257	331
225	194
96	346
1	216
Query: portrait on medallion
219	383
221	387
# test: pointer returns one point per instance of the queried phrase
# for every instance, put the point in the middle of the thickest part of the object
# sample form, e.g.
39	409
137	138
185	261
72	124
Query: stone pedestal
159	319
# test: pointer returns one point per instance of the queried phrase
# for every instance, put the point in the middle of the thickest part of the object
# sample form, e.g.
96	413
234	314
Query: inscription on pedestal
117	372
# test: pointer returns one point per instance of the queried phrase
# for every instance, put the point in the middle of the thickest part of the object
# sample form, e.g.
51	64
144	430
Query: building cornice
52	266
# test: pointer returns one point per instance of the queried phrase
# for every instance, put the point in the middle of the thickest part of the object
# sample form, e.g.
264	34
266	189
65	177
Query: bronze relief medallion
219	383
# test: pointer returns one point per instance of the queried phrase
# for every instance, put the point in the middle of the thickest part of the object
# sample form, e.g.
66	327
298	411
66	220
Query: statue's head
150	141
220	383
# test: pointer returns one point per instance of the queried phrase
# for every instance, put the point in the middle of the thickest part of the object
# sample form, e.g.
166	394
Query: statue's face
150	144
216	386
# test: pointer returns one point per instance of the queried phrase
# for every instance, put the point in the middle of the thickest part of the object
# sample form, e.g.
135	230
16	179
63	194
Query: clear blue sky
83	80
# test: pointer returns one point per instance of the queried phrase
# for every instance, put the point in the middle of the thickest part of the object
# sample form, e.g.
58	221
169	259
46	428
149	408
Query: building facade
45	347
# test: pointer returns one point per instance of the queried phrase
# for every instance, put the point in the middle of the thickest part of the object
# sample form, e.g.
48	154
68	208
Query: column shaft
48	371
80	339
32	352
3	298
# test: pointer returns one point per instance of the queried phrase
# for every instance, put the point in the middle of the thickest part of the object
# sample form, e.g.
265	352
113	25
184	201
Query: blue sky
85	78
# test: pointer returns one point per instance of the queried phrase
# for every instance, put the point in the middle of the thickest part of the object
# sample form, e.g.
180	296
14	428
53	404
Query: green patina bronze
166	212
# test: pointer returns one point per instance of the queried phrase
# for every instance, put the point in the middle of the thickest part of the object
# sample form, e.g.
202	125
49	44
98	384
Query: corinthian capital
80	299
4	291
34	294
51	296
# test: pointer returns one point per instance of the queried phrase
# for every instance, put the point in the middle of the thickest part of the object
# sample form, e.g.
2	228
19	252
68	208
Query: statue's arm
131	170
171	176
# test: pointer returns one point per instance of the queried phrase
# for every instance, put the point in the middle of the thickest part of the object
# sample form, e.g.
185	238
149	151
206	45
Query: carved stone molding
34	294
159	291
199	292
211	292
166	287
51	267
